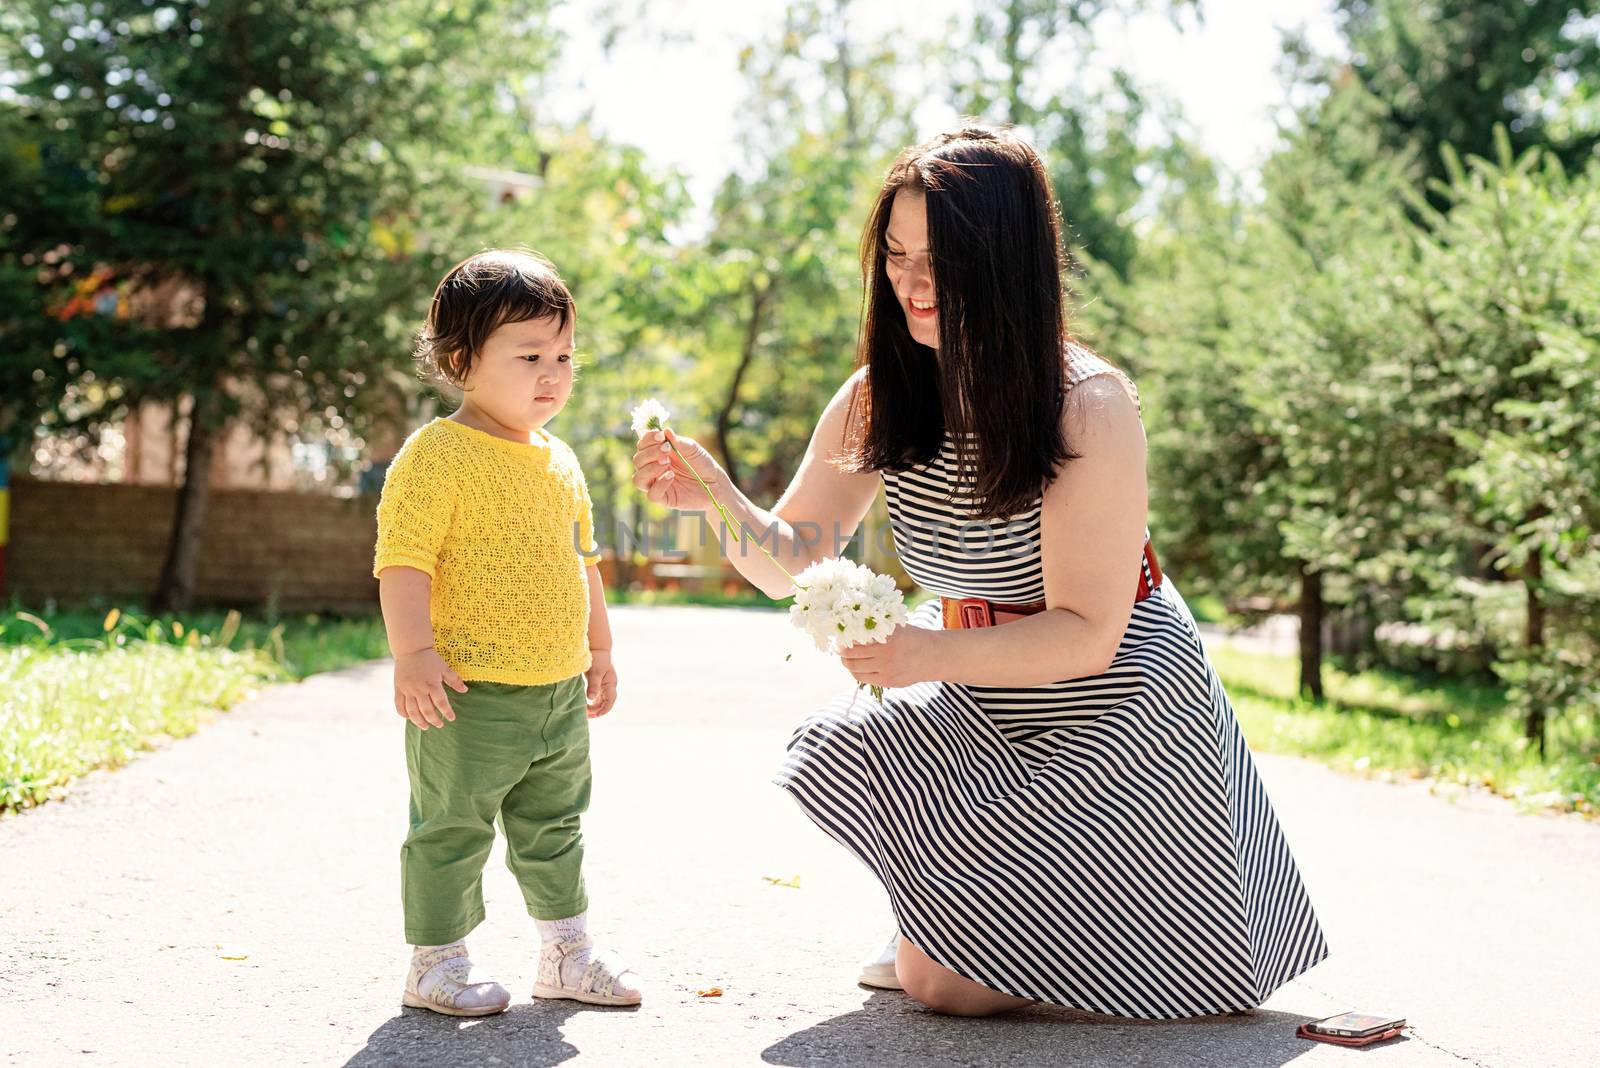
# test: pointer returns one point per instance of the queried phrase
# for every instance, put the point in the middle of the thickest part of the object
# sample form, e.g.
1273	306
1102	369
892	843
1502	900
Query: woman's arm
1092	534
816	515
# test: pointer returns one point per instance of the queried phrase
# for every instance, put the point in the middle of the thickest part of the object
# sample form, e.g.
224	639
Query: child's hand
602	678
419	682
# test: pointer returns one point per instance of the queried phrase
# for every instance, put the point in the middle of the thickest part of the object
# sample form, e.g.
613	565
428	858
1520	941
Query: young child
489	579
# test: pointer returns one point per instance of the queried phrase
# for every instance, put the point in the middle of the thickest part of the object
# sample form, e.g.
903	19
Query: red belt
967	612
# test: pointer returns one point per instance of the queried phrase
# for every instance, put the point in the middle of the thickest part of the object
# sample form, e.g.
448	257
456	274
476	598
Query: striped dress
1102	843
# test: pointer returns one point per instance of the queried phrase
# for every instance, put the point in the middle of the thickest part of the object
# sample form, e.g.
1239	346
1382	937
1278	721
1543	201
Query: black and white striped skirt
1103	843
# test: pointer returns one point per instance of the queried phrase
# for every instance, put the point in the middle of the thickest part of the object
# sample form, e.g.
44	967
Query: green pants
517	752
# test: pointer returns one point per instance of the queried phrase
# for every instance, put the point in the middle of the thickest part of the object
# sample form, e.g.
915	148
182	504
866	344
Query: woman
1054	789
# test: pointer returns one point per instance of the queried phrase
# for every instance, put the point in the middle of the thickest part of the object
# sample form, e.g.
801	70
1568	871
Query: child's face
523	375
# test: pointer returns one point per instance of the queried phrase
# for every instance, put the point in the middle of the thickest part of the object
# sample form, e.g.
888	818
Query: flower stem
738	532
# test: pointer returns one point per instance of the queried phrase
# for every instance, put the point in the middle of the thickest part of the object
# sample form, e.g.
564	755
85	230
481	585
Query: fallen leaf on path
793	882
232	952
710	992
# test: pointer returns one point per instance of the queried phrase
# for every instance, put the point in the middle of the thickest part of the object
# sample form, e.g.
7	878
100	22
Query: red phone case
1339	1040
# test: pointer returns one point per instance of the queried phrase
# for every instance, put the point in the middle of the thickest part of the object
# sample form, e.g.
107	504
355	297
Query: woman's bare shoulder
1101	414
1087	368
845	409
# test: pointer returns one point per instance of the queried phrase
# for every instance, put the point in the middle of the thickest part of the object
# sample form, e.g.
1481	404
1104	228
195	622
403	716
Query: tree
1332	408
1448	72
1211	453
229	179
1363	477
777	276
1285	461
1090	139
1507	293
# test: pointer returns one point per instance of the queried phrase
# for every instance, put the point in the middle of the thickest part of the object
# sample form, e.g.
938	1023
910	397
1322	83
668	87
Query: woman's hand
419	682
602	683
903	658
661	473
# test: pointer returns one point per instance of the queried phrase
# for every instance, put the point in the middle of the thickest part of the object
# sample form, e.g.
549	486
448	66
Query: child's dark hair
478	296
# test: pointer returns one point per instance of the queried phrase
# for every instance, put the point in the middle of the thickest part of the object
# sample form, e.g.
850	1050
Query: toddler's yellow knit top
497	525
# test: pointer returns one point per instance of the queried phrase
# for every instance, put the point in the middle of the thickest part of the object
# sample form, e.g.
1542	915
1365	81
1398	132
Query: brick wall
76	541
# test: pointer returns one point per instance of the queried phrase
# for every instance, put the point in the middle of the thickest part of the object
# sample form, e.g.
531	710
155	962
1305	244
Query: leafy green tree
1021	64
1177	324
1447	72
1506	292
1359	489
777	280
229	179
1253	328
1324	452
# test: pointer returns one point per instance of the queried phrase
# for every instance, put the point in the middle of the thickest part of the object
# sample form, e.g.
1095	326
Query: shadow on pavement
891	1029
524	1035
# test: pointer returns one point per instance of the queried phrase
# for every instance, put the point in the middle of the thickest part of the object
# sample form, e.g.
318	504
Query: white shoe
878	971
440	979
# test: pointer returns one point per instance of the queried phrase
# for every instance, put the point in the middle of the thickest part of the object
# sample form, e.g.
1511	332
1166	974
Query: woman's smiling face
908	266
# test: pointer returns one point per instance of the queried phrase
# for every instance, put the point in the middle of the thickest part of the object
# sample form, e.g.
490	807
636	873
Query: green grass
1387	724
1208	608
301	644
84	690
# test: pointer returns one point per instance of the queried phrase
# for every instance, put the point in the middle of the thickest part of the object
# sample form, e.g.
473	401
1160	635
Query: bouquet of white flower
841	603
837	602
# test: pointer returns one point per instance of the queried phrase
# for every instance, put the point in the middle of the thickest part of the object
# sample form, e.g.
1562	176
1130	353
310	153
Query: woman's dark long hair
994	242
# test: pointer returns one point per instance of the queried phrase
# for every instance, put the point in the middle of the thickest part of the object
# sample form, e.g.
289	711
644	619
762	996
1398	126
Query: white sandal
440	979
597	984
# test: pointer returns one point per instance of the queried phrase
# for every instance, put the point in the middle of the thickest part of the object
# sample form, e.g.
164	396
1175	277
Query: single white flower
651	414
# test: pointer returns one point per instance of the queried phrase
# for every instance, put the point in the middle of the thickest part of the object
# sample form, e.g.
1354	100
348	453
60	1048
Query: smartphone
1356	1024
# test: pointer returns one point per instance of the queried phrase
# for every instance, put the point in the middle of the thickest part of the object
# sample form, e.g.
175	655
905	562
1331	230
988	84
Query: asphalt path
233	899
